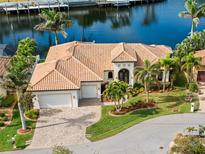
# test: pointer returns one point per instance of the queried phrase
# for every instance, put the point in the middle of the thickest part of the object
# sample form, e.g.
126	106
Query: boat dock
27	7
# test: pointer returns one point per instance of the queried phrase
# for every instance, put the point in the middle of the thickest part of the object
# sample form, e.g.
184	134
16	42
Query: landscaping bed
172	102
134	106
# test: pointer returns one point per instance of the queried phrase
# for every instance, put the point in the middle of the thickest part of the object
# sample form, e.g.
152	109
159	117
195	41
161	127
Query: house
4	61
77	70
6	50
200	72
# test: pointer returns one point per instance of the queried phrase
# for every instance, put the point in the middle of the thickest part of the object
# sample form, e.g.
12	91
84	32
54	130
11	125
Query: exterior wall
97	84
73	93
106	76
129	66
3	91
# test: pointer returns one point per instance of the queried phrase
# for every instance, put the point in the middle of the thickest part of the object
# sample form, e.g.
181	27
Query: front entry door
123	75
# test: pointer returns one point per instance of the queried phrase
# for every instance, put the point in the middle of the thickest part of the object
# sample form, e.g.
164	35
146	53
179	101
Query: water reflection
151	24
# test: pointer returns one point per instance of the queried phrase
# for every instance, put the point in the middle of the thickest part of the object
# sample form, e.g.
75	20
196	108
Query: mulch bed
139	105
24	131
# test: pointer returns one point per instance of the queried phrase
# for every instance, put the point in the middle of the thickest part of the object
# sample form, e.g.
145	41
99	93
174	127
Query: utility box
192	107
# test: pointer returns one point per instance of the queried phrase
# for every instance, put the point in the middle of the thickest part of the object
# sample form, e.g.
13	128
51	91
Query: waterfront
151	24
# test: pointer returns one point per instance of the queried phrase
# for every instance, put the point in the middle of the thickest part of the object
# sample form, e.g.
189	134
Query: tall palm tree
146	75
168	64
116	91
194	12
54	22
189	63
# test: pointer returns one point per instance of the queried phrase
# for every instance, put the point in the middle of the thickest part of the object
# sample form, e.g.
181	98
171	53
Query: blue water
151	24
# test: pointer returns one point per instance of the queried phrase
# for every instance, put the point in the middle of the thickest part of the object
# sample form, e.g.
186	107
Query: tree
189	63
190	44
19	70
146	75
54	22
116	91
168	64
194	12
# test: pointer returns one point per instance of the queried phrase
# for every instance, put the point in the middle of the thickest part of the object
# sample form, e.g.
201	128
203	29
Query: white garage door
89	91
55	100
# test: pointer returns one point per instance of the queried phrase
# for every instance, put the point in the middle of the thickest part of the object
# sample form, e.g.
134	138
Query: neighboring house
4	61
200	72
6	50
76	70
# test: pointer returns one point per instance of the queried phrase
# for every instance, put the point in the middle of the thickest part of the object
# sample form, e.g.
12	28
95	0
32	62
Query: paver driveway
64	126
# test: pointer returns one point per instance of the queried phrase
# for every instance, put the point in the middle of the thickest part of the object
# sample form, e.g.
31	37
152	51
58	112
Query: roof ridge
87	67
66	78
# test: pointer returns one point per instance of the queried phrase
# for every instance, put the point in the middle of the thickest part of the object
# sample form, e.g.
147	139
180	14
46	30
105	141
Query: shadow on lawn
145	113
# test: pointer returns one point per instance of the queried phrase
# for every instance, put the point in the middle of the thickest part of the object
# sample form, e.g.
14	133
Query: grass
168	103
10	131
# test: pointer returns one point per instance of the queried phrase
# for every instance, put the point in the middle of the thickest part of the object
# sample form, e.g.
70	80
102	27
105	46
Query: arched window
110	75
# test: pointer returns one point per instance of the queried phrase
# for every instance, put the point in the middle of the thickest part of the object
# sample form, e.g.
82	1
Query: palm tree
116	91
146	75
194	12
54	22
168	64
175	69
189	63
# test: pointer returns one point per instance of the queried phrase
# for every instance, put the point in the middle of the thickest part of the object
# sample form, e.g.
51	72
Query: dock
37	6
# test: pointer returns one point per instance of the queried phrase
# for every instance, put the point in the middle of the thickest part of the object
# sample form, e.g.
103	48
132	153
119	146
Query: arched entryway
123	75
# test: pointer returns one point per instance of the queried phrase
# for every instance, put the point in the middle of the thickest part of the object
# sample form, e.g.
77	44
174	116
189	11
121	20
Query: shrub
1	123
134	92
5	119
137	85
61	150
26	100
193	87
32	114
188	145
2	114
7	101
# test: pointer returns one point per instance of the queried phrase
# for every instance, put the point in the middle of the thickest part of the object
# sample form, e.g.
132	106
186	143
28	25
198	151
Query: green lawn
7	133
168	103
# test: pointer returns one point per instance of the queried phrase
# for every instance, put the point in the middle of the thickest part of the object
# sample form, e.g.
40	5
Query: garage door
201	76
89	91
55	100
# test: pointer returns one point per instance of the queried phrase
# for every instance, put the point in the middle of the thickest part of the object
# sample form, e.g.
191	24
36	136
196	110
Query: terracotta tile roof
74	62
201	54
3	62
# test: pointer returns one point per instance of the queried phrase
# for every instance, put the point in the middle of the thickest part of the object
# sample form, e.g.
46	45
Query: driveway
144	138
64	126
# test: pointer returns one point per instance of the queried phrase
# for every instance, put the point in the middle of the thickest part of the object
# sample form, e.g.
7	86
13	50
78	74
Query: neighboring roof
201	54
3	63
6	50
67	65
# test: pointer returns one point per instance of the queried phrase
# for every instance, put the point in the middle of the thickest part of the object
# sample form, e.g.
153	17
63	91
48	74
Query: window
110	75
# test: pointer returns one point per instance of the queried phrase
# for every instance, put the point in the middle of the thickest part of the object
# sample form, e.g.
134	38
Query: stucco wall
73	93
129	66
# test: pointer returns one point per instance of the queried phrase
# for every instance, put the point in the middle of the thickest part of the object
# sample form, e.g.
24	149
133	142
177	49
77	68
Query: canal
149	23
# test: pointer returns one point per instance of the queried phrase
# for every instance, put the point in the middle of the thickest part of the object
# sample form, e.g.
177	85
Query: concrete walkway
202	97
144	138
